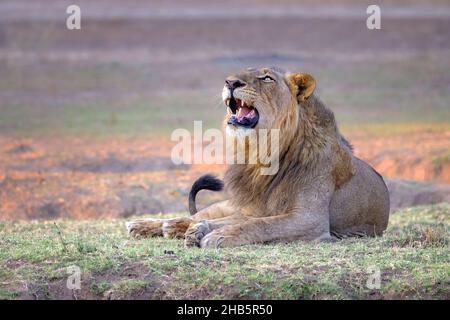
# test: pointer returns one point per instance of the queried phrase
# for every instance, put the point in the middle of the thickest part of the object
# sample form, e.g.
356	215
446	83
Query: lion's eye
267	79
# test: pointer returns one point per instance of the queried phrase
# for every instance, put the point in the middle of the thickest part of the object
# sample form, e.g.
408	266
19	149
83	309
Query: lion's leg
176	227
310	221
144	228
169	228
215	211
197	230
209	219
275	228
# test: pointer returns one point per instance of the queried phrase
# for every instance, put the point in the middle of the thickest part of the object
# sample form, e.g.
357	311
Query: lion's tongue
242	112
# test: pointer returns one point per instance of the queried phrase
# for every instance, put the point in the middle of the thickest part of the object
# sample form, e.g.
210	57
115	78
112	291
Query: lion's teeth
227	102
229	110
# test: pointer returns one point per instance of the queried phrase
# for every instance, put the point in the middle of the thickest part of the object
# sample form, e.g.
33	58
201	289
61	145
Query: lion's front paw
217	239
195	233
144	228
176	228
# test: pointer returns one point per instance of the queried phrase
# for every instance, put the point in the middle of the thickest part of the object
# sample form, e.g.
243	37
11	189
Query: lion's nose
235	83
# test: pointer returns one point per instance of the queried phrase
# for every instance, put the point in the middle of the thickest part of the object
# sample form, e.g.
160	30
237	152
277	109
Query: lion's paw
195	233
214	240
175	228
144	228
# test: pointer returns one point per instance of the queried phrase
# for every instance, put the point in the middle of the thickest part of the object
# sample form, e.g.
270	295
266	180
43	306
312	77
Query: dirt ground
74	178
86	116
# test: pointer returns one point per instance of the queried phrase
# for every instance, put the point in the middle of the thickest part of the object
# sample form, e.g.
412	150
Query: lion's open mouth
241	114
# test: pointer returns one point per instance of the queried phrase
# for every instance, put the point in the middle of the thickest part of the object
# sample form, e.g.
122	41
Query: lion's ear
302	84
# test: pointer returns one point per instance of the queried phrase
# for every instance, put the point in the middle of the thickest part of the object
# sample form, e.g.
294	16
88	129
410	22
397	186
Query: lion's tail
207	182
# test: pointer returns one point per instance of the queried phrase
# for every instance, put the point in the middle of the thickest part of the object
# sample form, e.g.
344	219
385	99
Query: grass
383	98
413	260
153	115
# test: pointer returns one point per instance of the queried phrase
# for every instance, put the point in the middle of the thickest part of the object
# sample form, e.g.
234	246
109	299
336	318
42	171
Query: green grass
113	99
105	119
413	259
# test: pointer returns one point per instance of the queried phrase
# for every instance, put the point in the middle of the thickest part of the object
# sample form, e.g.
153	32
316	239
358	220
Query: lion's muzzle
240	113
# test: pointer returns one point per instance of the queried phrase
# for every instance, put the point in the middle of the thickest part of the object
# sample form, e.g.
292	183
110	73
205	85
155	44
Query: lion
321	191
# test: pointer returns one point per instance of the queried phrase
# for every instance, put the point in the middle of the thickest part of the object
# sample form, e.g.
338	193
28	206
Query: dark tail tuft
207	182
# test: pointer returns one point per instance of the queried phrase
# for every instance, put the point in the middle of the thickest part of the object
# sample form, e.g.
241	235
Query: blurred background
86	115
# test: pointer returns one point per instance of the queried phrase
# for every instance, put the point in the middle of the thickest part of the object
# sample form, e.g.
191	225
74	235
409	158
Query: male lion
321	190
